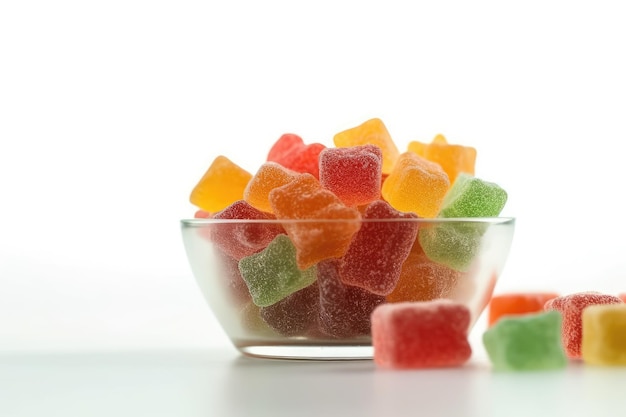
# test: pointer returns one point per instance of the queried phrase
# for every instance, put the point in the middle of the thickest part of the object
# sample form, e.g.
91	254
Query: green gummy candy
454	245
472	197
273	273
528	342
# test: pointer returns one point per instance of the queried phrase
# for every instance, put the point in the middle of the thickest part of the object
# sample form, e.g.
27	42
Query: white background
110	111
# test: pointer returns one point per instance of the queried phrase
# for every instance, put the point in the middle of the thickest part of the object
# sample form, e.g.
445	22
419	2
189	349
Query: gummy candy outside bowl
309	312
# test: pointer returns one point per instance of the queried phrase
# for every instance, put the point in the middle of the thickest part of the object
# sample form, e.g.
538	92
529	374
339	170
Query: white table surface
221	382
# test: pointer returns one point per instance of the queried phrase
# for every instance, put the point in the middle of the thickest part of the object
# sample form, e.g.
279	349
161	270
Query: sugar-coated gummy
473	197
571	306
374	258
221	185
454	159
270	175
416	185
305	199
517	303
528	342
454	245
239	239
294	314
371	132
604	335
426	334
273	274
354	174
345	311
291	152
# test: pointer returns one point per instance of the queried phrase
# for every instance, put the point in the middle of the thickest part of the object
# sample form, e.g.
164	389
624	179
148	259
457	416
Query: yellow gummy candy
416	185
220	186
454	159
604	334
372	132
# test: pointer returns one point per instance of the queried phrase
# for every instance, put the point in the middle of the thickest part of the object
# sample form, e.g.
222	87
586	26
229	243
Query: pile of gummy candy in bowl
339	252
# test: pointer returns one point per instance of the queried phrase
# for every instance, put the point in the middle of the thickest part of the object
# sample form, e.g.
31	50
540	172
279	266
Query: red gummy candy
345	311
294	314
571	308
421	334
291	152
374	258
354	174
236	288
243	239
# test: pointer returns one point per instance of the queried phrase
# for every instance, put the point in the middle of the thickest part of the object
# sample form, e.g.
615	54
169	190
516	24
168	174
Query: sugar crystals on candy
604	335
294	314
426	334
571	306
454	159
291	152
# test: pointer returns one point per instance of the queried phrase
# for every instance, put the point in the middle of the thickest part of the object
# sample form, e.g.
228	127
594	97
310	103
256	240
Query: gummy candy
221	185
528	342
517	304
371	132
304	198
571	307
472	197
232	281
423	334
344	310
454	159
239	239
375	256
422	279
269	176
416	185
452	244
272	274
294	314
291	152
354	174
622	296
604	334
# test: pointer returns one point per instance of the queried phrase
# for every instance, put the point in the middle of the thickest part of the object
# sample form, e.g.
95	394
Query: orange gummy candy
371	132
517	304
423	280
416	185
454	159
304	198
221	185
269	176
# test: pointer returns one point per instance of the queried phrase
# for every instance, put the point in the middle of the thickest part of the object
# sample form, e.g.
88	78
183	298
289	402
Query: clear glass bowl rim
200	222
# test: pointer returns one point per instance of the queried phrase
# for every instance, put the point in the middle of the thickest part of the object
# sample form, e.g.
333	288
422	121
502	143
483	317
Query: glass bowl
274	299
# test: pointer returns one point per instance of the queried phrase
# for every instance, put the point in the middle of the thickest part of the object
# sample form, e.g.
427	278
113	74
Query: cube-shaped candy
291	152
472	197
371	132
221	185
375	256
239	239
604	335
345	311
571	307
453	244
454	159
353	174
425	334
528	342
269	176
273	274
416	185
294	314
305	199
517	303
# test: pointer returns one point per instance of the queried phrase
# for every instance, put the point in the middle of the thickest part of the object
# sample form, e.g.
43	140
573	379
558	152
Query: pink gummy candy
345	311
354	174
243	239
571	307
291	152
421	334
374	258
